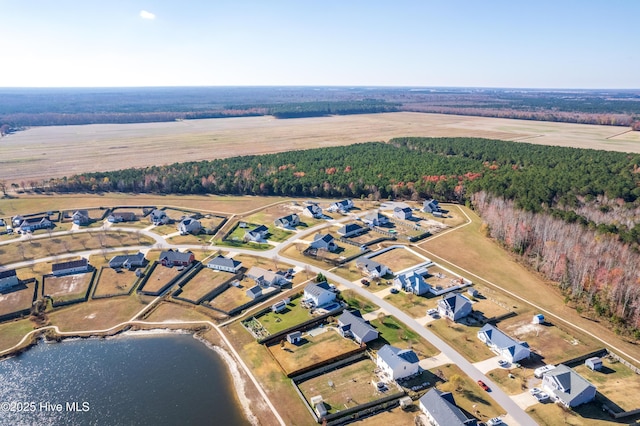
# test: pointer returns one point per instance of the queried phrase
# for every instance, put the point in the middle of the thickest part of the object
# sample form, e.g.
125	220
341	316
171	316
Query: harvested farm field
45	152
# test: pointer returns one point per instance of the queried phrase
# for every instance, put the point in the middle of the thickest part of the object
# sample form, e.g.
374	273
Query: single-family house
594	363
454	306
70	267
158	217
117	217
128	261
8	279
351	230
441	410
172	258
287	222
403	213
313	210
375	219
257	234
189	225
81	217
324	242
411	282
503	345
227	264
568	387
319	294
371	268
254	292
430	206
265	278
341	206
351	324
294	338
17	220
33	224
397	363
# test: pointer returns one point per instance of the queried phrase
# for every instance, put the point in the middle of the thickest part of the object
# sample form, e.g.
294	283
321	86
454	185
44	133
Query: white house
341	206
441	410
431	206
265	278
397	363
81	217
254	292
257	234
71	267
33	224
371	268
351	324
325	242
221	263
189	225
375	219
411	282
319	294
503	345
568	387
8	279
313	210
454	306
403	213
287	222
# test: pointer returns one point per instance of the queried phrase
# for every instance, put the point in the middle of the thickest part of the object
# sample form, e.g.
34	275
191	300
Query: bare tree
275	261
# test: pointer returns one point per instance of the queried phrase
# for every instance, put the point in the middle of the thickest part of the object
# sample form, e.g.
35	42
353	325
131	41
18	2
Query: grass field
234	296
313	350
358	302
350	386
398	259
395	333
160	276
203	282
18	299
293	314
112	145
585	415
616	382
96	314
462	338
112	282
416	306
68	287
12	332
169	312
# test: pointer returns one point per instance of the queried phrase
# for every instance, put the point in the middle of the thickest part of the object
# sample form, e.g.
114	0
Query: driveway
488	364
524	400
435	361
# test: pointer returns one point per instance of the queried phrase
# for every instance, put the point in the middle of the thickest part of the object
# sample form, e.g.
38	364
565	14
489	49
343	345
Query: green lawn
293	314
462	338
416	306
397	334
357	302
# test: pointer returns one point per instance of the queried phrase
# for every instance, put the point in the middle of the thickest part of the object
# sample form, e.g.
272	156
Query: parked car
502	363
542	396
494	421
534	391
483	385
394	290
433	312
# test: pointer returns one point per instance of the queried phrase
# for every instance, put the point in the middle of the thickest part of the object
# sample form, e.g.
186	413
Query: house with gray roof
254	292
454	306
128	261
287	222
257	234
117	217
371	268
189	225
172	258
503	345
70	267
324	242
8	279
158	217
412	282
341	206
441	410
403	213
351	324
81	217
319	294
313	210
397	363
375	219
33	224
351	230
568	387
431	206
227	264
265	278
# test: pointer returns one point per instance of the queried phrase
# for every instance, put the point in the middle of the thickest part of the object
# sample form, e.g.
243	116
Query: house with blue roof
412	282
454	306
503	345
441	410
351	324
397	363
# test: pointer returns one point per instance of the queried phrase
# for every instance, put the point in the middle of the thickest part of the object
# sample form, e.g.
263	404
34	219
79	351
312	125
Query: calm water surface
149	380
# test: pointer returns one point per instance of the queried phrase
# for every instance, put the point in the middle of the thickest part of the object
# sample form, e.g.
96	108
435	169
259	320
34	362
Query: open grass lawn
490	308
615	382
512	386
277	234
12	332
167	229
362	238
358	302
398	259
439	277
467	393
396	416
293	314
553	343
275	383
67	287
416	306
201	238
312	350
345	387
160	276
395	333
486	259
585	415
112	282
233	296
462	338
39	248
96	314
16	299
170	312
203	282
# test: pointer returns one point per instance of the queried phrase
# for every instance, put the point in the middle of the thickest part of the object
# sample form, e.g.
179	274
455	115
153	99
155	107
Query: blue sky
533	44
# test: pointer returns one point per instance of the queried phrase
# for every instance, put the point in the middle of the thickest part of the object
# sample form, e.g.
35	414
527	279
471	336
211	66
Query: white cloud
147	15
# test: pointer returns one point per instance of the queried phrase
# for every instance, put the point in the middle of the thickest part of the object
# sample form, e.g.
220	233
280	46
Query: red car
483	385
